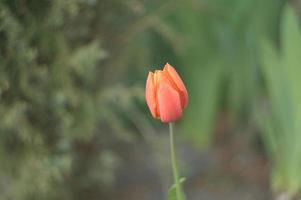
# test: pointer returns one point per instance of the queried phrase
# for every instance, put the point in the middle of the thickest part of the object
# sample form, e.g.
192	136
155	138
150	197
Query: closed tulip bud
166	94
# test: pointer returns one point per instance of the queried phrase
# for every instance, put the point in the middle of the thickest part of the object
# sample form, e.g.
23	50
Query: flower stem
174	163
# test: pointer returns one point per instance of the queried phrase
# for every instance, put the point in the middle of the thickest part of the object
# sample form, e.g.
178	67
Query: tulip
166	94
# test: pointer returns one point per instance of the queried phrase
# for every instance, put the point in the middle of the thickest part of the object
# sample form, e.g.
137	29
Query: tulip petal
169	103
150	95
162	78
176	79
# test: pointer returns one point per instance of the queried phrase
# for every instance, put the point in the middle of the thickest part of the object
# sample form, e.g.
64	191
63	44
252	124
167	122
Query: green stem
174	162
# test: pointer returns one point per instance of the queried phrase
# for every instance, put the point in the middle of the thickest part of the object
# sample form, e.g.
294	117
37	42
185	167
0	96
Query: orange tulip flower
166	94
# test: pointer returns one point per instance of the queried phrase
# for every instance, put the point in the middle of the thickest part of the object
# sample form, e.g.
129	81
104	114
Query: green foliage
282	127
55	135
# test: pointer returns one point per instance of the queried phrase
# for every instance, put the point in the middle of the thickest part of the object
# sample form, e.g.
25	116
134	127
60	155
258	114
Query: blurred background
74	122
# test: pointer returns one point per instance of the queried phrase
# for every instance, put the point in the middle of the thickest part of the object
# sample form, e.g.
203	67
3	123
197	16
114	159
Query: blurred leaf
172	193
282	127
